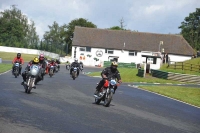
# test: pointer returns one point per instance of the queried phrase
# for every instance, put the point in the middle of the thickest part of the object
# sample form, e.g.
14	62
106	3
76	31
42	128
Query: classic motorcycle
68	67
74	73
51	70
106	92
31	78
81	67
57	68
16	69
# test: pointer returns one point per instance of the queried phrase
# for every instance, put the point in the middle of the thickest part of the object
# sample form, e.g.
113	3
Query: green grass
5	67
186	94
129	75
195	61
10	56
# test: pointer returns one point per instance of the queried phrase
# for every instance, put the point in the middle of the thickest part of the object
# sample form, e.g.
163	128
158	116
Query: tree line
17	31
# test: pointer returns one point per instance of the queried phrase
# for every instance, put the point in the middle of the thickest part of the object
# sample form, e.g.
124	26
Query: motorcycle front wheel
108	99
30	86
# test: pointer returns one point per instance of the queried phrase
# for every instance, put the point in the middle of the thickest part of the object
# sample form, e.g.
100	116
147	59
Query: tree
15	30
190	29
70	30
116	28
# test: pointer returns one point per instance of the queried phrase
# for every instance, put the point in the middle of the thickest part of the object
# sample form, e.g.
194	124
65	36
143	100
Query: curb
5	72
164	96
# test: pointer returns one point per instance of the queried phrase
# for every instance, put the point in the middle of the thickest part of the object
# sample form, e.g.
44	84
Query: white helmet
76	60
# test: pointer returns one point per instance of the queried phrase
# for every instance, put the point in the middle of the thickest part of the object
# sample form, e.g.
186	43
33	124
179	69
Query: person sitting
18	59
24	74
107	74
75	64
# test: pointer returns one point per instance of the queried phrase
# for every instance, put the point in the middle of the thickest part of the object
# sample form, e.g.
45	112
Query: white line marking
168	97
5	72
156	83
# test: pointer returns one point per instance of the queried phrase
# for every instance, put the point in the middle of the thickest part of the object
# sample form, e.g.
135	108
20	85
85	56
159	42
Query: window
109	51
86	49
132	53
82	48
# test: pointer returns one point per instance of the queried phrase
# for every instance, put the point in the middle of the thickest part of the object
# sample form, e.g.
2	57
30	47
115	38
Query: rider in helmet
75	64
81	64
108	73
19	59
24	74
42	63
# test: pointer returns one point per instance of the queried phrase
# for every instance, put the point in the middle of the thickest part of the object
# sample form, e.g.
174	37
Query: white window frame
132	52
109	50
84	49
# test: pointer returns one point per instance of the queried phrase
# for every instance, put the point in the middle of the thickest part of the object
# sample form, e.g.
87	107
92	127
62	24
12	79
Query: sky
153	16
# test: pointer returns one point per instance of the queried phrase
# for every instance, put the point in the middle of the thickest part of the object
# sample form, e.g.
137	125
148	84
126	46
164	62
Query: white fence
28	51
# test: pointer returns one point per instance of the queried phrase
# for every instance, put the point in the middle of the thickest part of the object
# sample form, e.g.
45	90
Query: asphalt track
62	105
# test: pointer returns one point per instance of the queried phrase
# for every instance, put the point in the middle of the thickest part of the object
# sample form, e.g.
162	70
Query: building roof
128	40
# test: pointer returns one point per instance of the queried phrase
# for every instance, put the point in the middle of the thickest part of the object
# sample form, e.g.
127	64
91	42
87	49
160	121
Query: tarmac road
62	105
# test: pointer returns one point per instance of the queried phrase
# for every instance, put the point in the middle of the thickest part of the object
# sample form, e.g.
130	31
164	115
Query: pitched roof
138	41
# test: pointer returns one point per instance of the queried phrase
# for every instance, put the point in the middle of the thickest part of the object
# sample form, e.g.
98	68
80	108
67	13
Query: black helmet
18	55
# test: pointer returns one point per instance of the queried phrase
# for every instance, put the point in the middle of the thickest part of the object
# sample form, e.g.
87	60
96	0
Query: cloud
158	16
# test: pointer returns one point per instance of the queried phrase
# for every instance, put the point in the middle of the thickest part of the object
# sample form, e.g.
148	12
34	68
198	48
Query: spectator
198	53
167	58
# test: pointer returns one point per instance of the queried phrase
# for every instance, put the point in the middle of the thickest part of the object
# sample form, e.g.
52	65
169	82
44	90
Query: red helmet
41	57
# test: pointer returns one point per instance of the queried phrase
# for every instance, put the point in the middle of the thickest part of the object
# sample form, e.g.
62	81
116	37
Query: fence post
175	66
182	65
199	68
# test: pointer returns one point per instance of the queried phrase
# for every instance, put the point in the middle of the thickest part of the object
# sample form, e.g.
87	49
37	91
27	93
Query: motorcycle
81	67
57	68
51	70
31	78
106	92
16	69
67	66
74	73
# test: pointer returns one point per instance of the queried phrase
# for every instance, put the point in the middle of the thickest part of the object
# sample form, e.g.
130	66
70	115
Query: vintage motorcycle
74	73
68	67
51	70
16	69
81	67
56	67
32	77
106	92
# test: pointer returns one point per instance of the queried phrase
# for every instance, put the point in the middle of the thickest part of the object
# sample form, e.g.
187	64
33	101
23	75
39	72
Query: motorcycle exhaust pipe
96	96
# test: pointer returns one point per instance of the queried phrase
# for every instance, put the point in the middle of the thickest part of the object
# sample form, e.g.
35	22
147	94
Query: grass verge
129	75
10	56
5	67
186	94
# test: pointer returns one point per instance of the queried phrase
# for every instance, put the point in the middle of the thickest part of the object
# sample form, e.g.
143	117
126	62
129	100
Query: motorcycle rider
19	59
24	74
108	73
67	64
75	64
81	64
58	62
53	63
43	64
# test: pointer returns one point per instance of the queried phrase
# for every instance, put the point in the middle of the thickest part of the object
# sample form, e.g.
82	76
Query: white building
125	46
